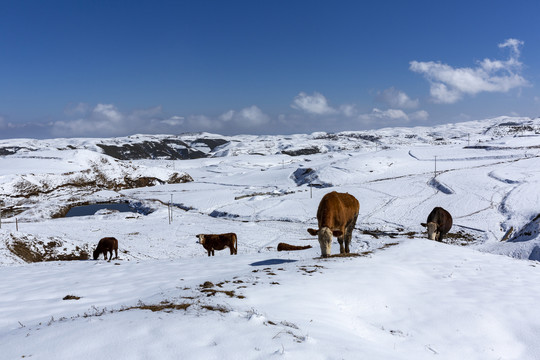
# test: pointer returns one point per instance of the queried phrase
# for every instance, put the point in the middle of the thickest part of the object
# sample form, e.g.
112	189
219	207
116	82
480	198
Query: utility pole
170	210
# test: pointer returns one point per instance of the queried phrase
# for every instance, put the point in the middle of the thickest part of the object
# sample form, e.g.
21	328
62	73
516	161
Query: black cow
439	223
106	245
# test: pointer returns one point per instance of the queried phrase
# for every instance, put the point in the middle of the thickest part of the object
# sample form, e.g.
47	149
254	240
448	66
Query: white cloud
228	116
314	104
107	113
174	121
390	114
397	99
77	109
514	45
421	115
348	110
202	122
248	117
252	116
449	84
108	120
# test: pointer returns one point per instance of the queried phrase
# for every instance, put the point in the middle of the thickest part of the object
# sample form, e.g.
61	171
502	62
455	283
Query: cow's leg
213	252
116	253
348	236
340	241
209	251
440	237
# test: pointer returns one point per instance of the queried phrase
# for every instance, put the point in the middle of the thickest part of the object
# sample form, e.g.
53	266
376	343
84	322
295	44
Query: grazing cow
337	214
106	245
439	222
213	242
288	247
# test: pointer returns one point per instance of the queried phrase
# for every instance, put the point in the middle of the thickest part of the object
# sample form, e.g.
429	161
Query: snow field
405	298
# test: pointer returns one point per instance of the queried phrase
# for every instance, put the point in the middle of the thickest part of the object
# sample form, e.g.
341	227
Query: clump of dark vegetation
271	193
169	149
376	233
10	150
165	306
31	249
344	255
207	288
459	238
301	152
218	308
71	297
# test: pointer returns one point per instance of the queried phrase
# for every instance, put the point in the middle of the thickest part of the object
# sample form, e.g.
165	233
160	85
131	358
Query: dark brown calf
439	222
213	242
288	247
106	245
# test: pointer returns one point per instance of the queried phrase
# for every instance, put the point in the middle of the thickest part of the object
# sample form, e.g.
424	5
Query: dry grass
31	250
217	308
459	238
163	306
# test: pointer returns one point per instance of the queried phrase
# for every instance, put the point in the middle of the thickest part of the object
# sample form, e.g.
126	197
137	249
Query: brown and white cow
213	242
439	222
337	214
106	245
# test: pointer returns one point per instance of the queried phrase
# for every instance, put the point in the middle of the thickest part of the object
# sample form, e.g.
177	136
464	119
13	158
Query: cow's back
108	243
336	209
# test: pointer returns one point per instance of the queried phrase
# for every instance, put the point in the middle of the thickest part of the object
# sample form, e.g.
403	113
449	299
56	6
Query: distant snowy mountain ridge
202	145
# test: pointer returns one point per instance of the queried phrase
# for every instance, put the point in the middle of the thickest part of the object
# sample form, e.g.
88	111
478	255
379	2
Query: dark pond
86	210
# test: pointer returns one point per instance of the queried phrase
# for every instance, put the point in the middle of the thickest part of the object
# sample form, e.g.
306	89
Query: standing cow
337	214
213	242
438	223
106	245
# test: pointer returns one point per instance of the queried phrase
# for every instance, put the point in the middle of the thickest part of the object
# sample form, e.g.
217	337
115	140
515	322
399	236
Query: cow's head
325	239
96	254
201	238
431	229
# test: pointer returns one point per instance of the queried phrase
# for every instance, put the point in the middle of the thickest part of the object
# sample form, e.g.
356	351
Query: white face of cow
325	240
431	230
201	238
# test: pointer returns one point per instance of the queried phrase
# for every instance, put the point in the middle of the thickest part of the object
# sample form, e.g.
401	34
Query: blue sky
112	68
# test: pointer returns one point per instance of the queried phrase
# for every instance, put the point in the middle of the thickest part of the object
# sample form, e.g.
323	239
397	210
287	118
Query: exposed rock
308	176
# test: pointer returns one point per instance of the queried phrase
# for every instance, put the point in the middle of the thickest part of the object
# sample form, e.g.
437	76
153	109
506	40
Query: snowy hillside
398	296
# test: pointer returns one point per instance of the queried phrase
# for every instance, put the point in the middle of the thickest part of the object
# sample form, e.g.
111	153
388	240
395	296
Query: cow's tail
235	244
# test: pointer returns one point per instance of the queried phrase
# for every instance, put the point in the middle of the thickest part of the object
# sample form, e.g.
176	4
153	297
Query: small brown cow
337	214
106	245
289	247
213	242
439	222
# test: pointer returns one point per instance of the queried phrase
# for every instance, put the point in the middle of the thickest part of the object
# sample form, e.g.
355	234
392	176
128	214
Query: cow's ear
337	233
313	232
424	224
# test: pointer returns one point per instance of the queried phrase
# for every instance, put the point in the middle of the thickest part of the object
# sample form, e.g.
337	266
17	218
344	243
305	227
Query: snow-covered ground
403	297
